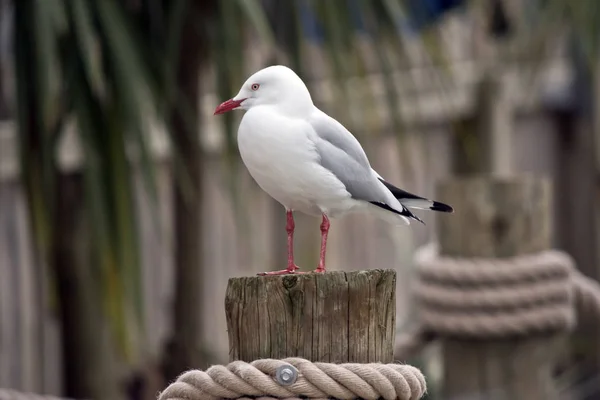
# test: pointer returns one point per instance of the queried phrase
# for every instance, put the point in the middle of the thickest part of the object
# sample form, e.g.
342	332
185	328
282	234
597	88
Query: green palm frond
90	56
258	20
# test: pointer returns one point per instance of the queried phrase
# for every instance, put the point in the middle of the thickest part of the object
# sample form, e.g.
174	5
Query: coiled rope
493	298
240	380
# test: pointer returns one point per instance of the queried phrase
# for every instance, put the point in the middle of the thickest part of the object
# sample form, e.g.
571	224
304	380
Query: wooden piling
332	317
497	217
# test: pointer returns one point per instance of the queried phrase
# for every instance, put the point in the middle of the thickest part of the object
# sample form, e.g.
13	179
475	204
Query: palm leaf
258	20
132	83
337	44
90	61
33	92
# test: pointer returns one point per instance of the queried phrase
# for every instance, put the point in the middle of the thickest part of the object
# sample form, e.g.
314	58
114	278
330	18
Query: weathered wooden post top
313	336
335	317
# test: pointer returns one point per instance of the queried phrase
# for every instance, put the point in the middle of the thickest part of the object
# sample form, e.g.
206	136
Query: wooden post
333	317
497	217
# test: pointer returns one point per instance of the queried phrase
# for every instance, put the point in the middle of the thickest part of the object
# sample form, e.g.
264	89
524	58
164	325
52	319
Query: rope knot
239	380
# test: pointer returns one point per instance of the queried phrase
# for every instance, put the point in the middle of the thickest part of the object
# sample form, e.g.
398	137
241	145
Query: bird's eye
255	86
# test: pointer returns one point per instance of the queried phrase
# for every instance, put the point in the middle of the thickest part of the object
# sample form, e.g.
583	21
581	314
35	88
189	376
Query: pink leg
291	267
324	232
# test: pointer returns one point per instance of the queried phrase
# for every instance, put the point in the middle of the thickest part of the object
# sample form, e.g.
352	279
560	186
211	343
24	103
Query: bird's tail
413	201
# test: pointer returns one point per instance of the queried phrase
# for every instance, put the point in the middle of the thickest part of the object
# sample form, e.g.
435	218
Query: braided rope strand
240	380
493	271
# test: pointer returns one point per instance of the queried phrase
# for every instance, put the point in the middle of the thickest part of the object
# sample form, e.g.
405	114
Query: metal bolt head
286	375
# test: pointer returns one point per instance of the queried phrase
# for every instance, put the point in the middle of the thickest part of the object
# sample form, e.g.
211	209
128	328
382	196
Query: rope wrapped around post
492	298
300	379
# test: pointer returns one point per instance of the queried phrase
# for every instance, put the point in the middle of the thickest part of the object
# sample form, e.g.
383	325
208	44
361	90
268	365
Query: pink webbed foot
292	269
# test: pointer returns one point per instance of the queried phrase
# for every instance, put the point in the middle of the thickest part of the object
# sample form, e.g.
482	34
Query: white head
277	86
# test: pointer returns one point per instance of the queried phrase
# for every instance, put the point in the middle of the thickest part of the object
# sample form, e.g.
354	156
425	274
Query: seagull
308	161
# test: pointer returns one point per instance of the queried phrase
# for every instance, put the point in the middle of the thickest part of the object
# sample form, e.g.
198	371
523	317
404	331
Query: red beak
228	106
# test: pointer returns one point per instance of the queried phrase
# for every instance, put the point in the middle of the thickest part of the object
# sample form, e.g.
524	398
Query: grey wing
332	131
341	154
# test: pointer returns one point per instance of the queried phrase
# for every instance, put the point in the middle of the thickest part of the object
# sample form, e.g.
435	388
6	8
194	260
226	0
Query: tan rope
490	298
240	380
587	295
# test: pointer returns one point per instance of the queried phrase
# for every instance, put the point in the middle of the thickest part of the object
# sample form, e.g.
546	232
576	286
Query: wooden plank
8	303
30	303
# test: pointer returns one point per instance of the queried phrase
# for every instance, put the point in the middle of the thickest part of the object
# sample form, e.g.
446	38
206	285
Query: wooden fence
29	333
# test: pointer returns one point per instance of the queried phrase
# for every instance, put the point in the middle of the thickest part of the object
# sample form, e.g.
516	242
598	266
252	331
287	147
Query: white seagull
308	161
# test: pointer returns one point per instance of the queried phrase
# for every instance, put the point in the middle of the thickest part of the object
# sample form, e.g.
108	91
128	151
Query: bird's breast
282	159
274	150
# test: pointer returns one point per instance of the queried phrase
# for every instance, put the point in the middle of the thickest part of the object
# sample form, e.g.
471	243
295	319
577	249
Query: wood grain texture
333	317
497	217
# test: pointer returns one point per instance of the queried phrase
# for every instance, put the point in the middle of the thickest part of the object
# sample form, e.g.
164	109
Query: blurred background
124	206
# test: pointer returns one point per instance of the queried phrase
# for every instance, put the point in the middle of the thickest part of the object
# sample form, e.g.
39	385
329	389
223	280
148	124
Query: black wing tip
404	195
413	216
437	206
405	211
